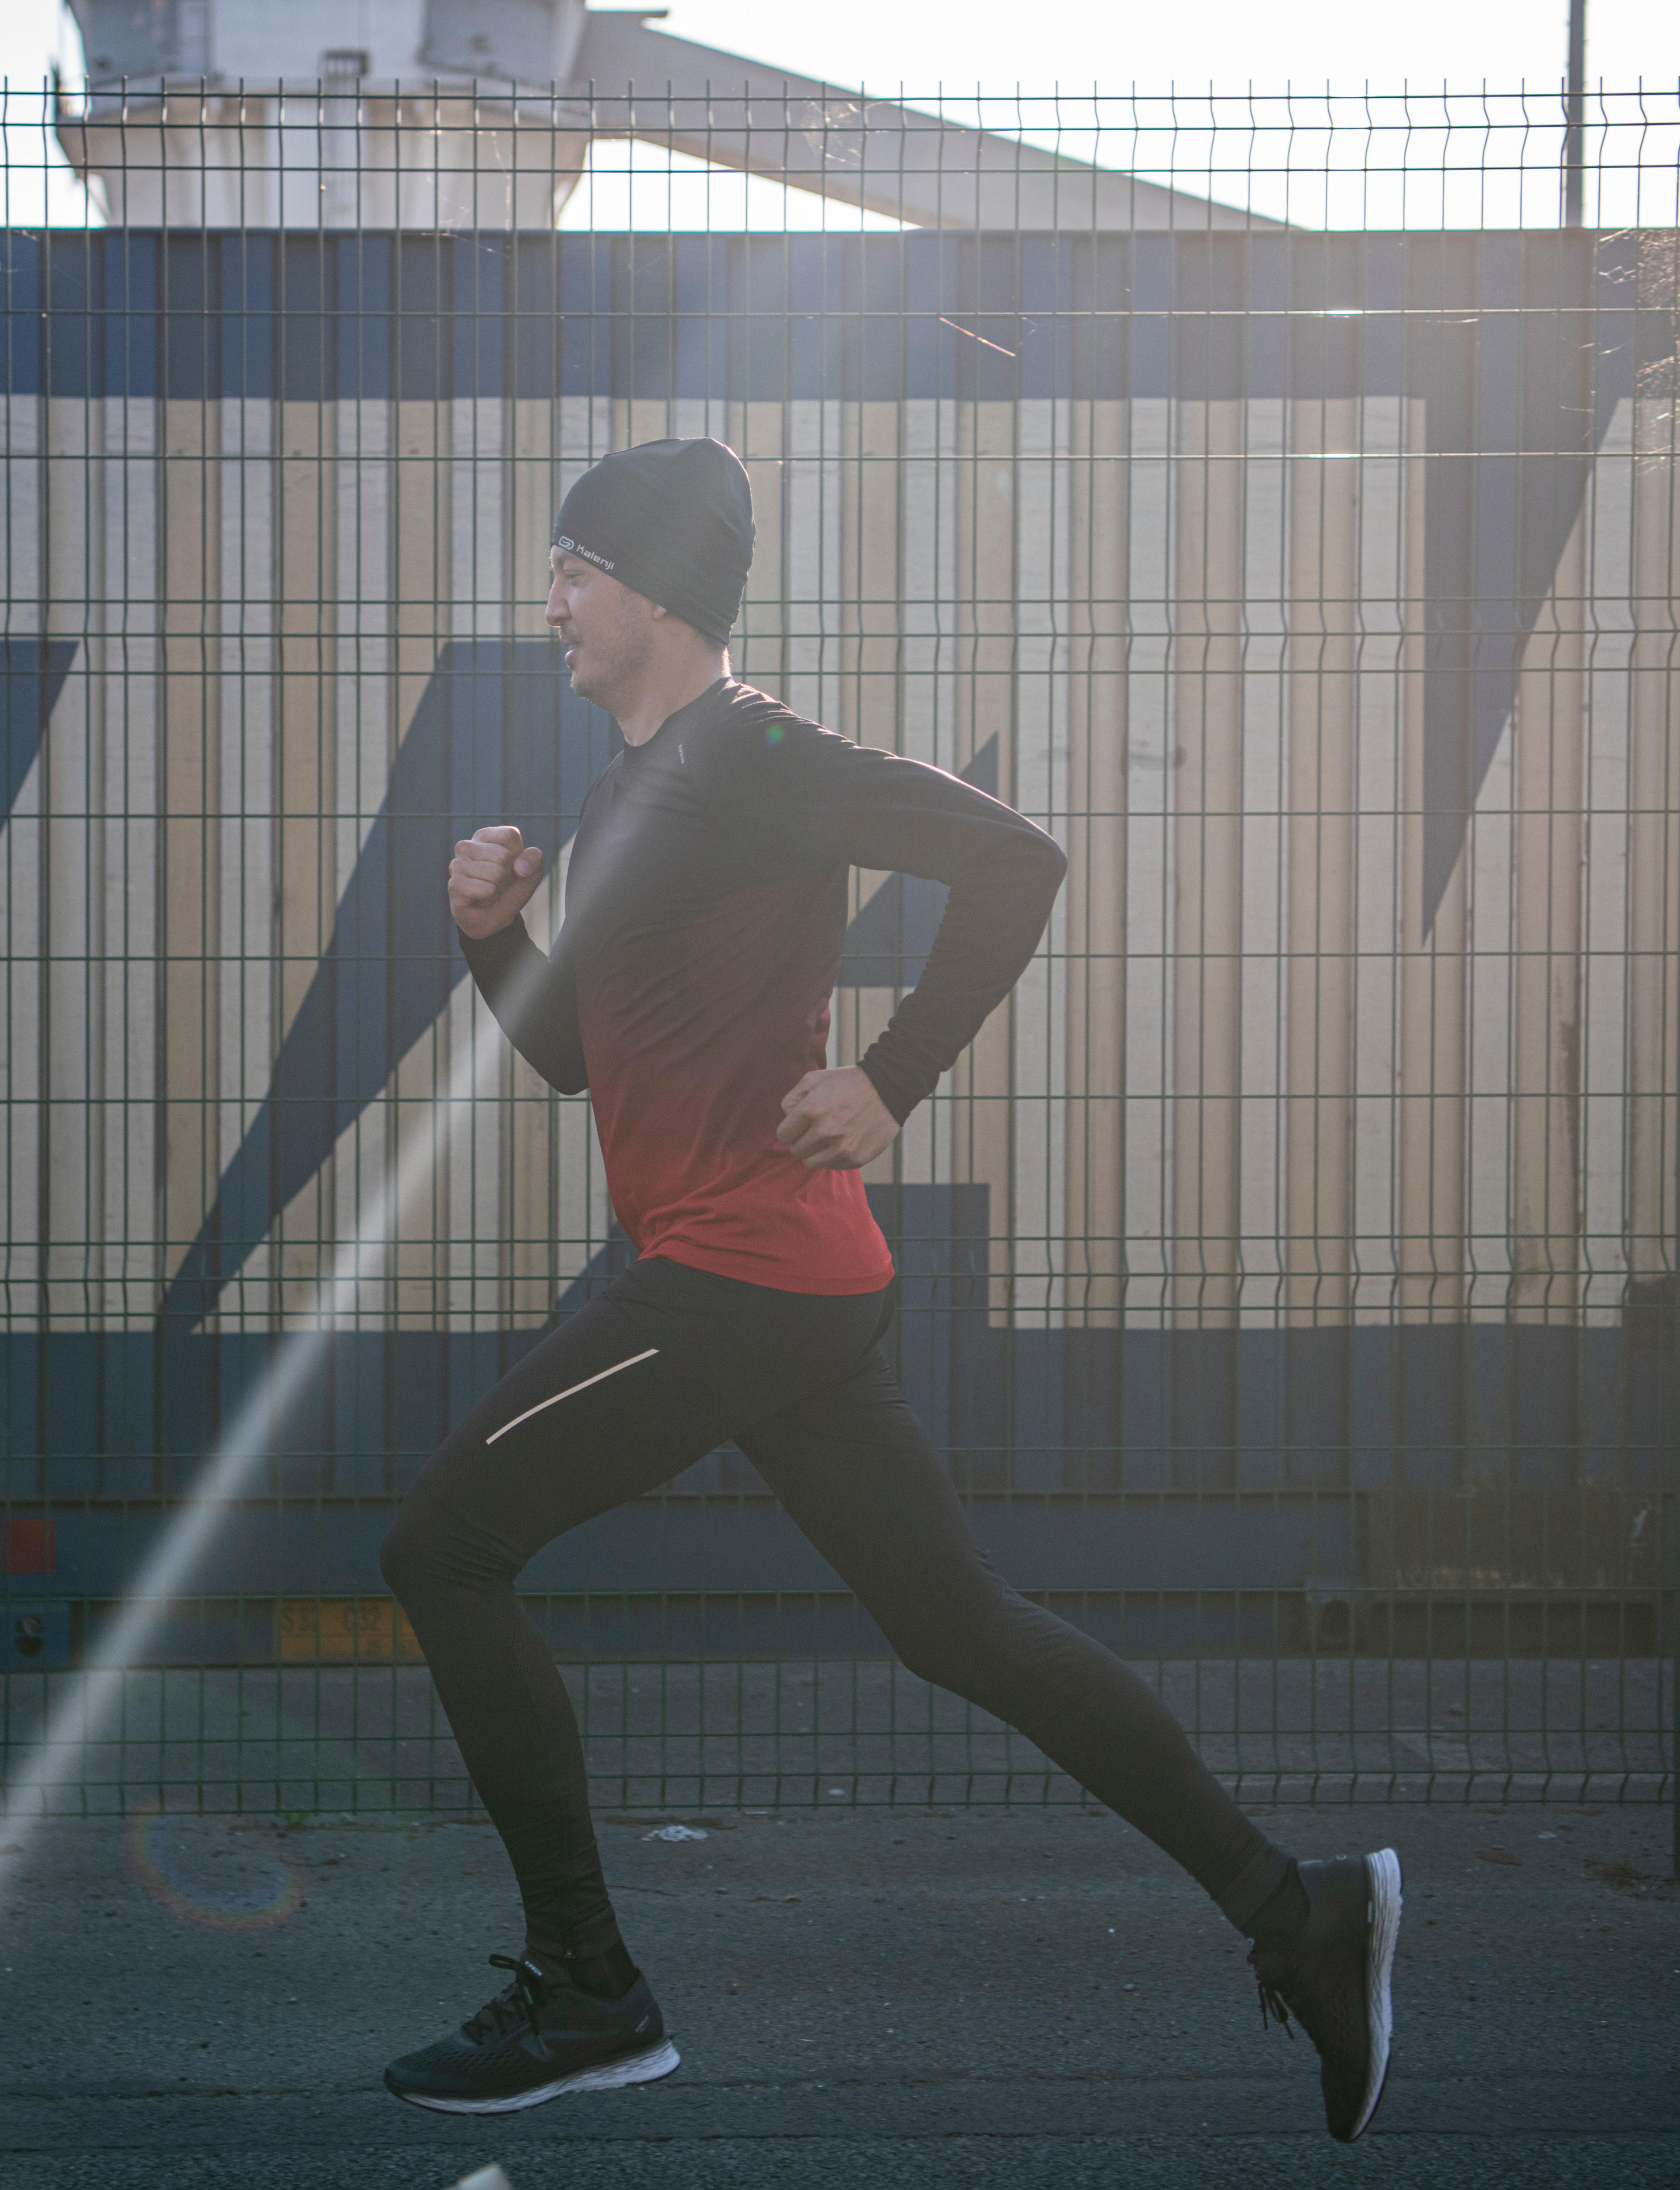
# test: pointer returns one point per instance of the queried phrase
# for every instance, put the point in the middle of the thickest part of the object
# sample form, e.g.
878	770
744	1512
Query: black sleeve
773	777
534	997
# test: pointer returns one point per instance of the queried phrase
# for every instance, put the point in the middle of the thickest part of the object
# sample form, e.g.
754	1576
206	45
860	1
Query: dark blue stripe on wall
332	315
1520	402
498	735
1482	1410
32	672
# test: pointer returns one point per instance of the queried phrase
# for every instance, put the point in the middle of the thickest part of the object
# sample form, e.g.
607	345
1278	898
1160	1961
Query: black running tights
665	1365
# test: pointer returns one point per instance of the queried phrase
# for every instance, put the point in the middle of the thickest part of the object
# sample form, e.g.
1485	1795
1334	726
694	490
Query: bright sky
1039	45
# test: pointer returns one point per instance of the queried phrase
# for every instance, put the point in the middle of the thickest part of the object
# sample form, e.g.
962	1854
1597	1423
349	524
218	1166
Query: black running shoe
539	2038
1333	1977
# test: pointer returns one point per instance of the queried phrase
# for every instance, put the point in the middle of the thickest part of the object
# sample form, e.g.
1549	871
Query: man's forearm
994	918
534	1001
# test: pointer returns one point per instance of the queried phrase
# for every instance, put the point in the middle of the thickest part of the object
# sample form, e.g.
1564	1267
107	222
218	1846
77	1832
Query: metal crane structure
480	113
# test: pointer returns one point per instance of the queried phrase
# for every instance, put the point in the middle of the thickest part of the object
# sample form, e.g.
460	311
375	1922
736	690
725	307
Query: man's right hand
492	878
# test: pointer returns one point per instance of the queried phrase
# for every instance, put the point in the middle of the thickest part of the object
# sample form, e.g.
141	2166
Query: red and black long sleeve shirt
688	987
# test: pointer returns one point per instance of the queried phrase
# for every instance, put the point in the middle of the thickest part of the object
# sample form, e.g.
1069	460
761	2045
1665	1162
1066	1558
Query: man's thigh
606	1407
643	1381
861	1477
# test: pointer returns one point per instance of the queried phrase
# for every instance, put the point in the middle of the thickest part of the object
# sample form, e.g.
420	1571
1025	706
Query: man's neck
657	699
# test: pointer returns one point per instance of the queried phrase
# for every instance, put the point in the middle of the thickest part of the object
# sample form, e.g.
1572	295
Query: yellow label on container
343	1631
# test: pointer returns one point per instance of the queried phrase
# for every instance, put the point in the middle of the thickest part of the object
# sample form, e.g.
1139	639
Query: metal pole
1574	114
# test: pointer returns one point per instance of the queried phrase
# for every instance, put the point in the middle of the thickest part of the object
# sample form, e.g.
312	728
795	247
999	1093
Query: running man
689	991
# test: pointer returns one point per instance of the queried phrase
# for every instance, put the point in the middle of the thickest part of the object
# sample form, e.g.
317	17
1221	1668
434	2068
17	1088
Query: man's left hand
834	1120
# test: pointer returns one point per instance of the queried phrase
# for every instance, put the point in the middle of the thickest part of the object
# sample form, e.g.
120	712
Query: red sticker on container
26	1545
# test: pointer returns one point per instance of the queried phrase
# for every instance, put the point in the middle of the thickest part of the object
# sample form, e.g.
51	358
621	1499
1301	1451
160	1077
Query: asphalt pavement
870	1997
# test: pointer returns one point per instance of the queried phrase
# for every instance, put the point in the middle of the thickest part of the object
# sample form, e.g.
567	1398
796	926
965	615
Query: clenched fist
492	878
834	1119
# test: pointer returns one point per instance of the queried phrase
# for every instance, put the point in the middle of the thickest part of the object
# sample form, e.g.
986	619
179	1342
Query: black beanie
672	520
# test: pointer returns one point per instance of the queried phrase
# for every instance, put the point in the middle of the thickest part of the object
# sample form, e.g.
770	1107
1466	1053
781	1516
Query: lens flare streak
93	1694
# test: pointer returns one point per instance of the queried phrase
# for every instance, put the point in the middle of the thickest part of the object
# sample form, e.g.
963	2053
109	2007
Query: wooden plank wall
1247	1082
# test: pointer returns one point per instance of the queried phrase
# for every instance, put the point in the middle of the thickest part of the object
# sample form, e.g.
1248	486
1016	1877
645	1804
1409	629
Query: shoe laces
1267	1973
521	2002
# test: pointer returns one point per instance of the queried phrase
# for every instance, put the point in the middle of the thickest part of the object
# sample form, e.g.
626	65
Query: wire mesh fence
1289	1267
695	140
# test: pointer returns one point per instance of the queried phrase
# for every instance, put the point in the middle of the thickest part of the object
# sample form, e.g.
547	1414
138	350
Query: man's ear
659	610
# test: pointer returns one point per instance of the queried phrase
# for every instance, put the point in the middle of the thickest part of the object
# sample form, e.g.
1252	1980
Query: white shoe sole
609	2076
1384	1871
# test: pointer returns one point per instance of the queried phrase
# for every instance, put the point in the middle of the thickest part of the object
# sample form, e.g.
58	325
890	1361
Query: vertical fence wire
1273	497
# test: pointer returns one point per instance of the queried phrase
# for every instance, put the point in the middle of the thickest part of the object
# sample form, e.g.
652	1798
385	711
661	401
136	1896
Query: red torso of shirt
703	980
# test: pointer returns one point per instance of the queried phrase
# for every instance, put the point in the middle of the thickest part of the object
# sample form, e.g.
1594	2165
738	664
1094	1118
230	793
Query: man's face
607	630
